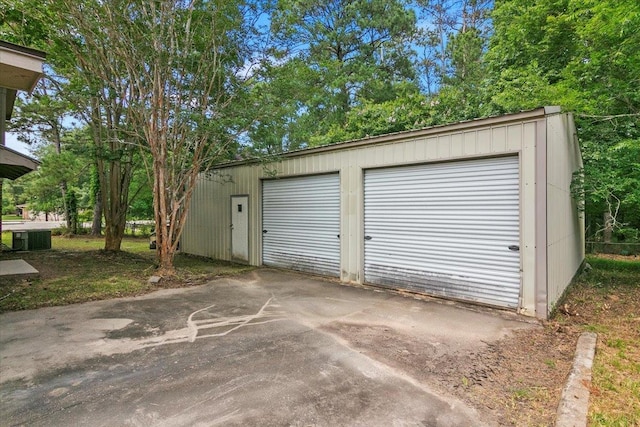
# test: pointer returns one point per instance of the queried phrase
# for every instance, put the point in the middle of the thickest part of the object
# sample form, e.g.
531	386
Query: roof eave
14	164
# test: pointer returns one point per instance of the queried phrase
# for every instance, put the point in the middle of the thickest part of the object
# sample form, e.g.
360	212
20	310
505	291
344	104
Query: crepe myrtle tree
185	65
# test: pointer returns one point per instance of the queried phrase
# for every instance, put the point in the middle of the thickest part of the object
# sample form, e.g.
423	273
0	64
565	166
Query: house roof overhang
20	69
14	164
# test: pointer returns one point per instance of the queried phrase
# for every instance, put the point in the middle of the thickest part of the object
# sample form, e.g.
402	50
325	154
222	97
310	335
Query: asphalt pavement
257	349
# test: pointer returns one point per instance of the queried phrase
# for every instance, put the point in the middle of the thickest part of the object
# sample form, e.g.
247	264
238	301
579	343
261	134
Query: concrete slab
265	348
574	402
16	267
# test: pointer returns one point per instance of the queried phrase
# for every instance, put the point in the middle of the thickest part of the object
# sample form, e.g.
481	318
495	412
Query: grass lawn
77	270
607	301
11	218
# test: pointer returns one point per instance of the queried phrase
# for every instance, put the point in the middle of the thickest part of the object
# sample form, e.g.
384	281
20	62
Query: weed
616	343
599	329
522	394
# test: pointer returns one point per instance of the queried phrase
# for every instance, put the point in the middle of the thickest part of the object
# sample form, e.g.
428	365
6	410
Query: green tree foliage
13	194
280	100
24	23
461	95
95	73
584	56
60	95
166	78
141	196
451	34
348	69
343	54
43	187
408	110
71	202
40	122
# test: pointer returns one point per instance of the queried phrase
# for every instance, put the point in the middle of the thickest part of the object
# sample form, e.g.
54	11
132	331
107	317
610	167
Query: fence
138	228
613	248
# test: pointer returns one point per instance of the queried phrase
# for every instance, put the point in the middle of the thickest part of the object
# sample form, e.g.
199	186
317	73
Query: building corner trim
541	265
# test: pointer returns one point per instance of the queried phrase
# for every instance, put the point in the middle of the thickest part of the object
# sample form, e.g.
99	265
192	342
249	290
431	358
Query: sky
12	142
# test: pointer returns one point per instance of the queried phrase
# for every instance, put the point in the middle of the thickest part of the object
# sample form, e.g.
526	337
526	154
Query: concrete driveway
31	225
267	348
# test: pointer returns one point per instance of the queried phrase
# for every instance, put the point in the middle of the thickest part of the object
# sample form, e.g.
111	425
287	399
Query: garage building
479	211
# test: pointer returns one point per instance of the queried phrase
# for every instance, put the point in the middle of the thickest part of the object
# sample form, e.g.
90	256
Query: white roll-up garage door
449	229
301	223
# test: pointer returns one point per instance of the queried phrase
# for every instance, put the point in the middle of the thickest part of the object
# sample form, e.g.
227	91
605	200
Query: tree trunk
65	206
116	186
164	247
113	234
165	260
96	224
608	226
343	104
114	177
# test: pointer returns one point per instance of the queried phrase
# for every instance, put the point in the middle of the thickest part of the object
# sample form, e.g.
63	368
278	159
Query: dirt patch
517	380
620	257
520	378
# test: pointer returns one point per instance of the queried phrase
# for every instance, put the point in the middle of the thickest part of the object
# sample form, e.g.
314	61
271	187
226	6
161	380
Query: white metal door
449	229
301	223
240	228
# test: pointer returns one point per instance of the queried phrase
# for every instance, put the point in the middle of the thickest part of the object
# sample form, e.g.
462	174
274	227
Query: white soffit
19	68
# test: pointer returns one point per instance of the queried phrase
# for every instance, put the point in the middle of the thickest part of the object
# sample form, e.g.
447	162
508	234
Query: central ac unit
32	240
20	241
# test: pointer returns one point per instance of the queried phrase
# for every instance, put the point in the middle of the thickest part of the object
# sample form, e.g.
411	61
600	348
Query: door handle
264	231
338	236
514	248
368	237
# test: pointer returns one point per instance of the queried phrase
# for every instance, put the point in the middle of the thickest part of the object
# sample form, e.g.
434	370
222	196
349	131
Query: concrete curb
574	402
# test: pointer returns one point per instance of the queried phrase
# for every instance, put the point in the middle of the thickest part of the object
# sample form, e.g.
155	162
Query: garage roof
408	134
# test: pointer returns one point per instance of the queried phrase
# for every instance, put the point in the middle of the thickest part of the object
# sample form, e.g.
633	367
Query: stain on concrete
268	348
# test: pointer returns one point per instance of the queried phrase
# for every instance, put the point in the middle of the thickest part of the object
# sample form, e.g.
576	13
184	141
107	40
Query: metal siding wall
207	231
195	224
499	139
565	231
445	229
206	234
301	223
483	142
